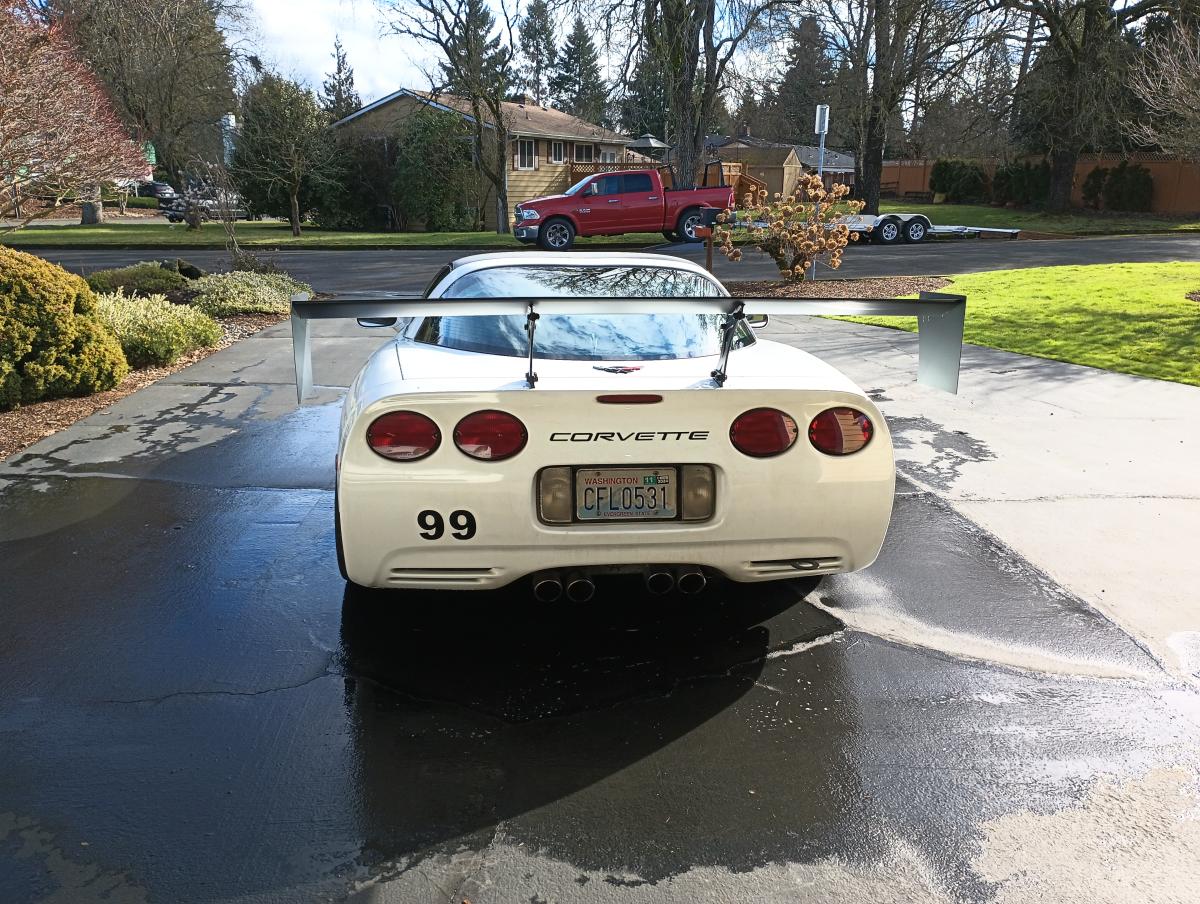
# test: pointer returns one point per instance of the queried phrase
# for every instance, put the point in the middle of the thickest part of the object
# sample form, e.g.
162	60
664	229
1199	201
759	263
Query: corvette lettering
616	436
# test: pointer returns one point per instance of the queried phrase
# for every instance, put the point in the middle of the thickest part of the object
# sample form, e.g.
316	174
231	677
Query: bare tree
477	67
167	65
1166	79
59	134
694	43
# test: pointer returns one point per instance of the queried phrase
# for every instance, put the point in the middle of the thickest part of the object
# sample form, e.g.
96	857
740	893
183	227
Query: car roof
577	259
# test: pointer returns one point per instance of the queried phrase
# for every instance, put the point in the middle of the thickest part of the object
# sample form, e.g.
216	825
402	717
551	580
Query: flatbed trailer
894	228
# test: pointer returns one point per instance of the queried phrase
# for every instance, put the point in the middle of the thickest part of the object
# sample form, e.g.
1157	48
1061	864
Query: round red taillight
840	431
763	432
403	435
490	435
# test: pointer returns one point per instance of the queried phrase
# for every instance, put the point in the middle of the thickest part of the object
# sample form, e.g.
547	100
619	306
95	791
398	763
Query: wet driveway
192	710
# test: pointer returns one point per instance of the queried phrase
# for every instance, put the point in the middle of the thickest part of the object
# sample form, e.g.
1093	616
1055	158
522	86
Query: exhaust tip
580	588
547	588
659	581
690	580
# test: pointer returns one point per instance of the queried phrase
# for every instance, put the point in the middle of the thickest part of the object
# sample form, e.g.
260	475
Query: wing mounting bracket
531	319
729	332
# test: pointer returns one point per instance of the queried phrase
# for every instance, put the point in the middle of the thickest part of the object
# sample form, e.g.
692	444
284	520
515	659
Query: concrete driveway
402	270
191	711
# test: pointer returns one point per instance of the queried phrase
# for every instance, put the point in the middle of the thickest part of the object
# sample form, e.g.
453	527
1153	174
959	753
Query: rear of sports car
461	487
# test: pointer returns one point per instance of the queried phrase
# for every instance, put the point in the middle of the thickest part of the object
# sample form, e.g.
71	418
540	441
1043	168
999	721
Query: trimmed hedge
145	278
52	343
1093	187
959	180
1129	187
153	331
1026	184
142	203
241	292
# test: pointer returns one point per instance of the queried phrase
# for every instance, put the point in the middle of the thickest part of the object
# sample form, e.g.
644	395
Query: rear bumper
525	234
755	533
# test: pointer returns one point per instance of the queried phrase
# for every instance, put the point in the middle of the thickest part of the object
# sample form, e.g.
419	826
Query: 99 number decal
462	524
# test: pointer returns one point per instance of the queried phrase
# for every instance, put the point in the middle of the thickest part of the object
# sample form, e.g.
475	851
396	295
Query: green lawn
1132	318
1035	221
273	235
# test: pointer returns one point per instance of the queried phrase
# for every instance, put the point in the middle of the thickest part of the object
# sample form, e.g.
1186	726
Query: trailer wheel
888	232
688	221
916	230
556	235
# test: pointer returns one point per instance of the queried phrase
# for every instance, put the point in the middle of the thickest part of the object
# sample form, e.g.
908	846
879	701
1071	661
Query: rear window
623	337
637	182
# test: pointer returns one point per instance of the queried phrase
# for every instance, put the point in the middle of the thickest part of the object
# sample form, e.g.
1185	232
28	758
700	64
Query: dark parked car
161	190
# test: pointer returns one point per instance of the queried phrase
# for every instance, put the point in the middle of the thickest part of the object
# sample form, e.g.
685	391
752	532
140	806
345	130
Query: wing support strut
531	319
729	333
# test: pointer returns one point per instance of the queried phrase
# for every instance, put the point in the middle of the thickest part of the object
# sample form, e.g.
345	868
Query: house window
608	157
526	154
556	152
583	153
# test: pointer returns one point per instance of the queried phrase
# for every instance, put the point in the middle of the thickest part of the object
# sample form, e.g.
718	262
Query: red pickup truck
616	203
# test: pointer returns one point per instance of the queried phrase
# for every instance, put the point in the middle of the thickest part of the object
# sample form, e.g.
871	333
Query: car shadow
467	710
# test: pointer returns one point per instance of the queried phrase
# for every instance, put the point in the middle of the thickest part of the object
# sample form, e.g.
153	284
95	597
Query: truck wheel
888	232
557	235
670	236
688	221
916	230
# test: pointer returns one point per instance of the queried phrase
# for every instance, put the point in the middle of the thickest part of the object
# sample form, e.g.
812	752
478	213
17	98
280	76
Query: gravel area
24	426
885	287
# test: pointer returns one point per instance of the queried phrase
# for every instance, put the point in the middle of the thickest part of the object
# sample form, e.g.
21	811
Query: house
549	150
771	161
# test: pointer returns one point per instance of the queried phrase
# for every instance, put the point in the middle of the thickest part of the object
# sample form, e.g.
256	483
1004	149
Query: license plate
625	494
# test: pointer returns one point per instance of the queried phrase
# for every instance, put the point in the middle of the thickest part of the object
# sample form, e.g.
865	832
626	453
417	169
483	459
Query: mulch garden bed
885	287
1194	296
24	426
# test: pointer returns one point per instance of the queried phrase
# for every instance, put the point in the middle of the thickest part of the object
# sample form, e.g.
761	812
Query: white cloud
295	37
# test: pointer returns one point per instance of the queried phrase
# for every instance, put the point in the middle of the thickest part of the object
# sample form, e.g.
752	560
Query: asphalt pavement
405	270
191	710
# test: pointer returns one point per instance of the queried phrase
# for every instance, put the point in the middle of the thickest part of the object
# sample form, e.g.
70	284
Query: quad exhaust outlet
659	580
547	587
580	588
690	579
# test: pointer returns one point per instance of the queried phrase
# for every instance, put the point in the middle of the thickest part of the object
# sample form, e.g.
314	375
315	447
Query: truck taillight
403	436
840	431
490	435
763	432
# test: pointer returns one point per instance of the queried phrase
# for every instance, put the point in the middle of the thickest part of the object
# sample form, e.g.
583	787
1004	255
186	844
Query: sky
295	37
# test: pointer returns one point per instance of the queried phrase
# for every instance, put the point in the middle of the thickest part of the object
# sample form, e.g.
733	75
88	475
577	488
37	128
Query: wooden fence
1176	182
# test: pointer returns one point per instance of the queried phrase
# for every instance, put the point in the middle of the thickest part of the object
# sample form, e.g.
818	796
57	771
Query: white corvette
670	443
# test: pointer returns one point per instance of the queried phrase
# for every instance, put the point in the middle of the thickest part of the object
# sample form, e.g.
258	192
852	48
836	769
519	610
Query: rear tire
916	231
889	232
688	221
556	235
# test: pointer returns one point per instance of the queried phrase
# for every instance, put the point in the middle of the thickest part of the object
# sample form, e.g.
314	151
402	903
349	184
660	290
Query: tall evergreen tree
538	48
474	52
337	95
577	85
787	112
643	108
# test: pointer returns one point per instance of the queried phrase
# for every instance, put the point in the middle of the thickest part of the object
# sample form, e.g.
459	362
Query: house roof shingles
524	119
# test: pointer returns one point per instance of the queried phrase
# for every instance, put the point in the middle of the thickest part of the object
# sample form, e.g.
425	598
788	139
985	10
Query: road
192	711
407	270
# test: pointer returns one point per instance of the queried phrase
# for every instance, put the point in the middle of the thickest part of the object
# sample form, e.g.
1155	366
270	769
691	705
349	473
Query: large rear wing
940	319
